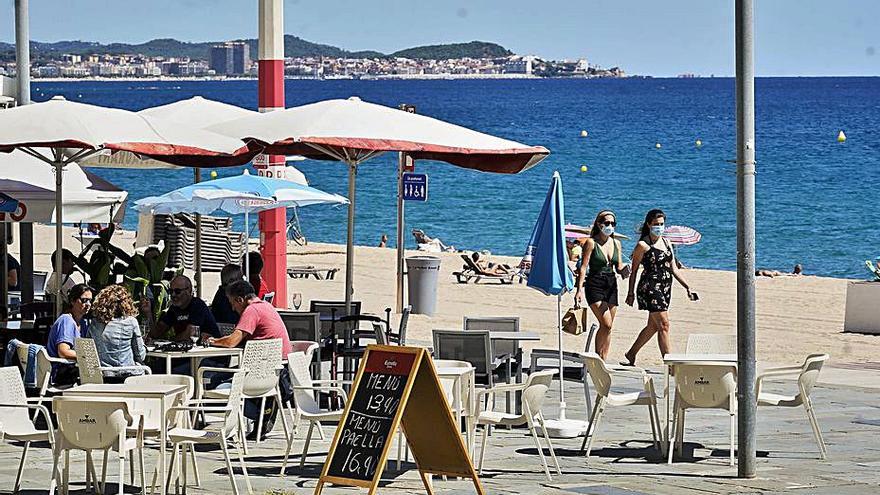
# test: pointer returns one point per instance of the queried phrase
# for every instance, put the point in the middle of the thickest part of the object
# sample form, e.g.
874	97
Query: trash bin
421	276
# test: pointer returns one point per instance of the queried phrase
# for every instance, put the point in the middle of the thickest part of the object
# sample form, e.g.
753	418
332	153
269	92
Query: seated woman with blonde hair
116	331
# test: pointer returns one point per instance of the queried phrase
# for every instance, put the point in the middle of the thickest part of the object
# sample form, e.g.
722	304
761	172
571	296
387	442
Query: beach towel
30	372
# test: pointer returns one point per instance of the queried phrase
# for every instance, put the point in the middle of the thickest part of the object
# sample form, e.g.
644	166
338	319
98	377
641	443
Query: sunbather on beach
798	270
482	261
429	244
596	281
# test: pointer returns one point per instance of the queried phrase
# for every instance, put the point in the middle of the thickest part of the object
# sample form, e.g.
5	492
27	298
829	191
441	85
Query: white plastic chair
807	375
305	405
88	424
89	363
43	371
603	376
711	343
229	409
543	359
534	391
262	361
15	423
150	409
703	386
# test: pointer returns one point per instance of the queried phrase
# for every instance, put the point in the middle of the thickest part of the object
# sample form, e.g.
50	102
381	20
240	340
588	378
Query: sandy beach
796	315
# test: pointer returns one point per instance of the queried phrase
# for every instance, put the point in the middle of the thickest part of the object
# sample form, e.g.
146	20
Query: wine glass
195	333
297	300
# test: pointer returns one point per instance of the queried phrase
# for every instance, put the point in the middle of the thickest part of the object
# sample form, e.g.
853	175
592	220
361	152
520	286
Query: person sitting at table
67	274
220	307
62	336
259	320
185	312
116	331
13	270
255	260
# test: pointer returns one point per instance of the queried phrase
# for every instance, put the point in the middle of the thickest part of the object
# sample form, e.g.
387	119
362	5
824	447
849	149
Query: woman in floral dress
654	255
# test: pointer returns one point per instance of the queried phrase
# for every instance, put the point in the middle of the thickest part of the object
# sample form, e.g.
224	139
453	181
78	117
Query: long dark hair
596	229
75	293
650	217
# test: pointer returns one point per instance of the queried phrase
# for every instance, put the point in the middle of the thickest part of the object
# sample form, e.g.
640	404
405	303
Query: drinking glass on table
195	334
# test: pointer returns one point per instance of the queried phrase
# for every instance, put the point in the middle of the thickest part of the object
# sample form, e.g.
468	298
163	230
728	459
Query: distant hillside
474	49
293	47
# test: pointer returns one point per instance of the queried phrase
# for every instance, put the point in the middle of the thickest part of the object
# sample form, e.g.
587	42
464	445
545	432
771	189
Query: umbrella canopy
87	197
549	271
238	194
573	231
353	131
196	113
681	235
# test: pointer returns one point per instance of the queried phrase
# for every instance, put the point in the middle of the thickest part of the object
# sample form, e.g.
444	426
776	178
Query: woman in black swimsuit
654	254
596	281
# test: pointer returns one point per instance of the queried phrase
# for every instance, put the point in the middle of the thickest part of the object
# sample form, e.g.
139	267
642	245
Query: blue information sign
415	187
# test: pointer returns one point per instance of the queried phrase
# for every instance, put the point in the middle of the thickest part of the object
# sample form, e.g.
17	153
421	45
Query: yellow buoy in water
213	174
699	143
584	134
841	137
657	146
584	168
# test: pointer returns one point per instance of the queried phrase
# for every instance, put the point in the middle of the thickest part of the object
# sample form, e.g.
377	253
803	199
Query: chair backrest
472	346
599	373
88	361
399	338
43	374
328	308
33	310
260	360
88	423
298	369
230	424
225	329
40	279
306	347
302	325
703	385
12	392
535	393
711	343
810	372
447	384
21	354
496	324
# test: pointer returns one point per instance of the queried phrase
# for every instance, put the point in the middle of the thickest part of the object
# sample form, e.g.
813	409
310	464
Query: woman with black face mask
655	256
596	279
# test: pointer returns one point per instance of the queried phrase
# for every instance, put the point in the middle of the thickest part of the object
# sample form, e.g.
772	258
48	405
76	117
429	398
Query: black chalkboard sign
371	418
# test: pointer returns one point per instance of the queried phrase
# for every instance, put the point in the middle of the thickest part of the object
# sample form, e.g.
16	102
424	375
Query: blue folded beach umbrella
7	204
551	275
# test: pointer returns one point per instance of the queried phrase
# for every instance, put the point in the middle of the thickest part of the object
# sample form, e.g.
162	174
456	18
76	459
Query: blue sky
665	37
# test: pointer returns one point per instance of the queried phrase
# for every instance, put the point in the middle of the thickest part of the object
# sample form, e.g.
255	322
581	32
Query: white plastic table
670	360
163	393
196	354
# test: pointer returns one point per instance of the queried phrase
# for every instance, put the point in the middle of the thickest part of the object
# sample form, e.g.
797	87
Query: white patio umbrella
238	194
353	131
61	132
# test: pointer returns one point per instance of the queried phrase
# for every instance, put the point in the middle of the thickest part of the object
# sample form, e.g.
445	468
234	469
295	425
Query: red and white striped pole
273	223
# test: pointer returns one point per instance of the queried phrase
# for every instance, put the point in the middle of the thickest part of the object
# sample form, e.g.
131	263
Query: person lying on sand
431	245
797	271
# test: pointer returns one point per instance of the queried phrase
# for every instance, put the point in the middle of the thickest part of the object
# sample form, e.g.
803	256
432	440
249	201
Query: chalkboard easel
396	387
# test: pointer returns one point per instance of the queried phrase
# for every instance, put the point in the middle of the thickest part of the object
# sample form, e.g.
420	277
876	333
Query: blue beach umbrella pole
551	275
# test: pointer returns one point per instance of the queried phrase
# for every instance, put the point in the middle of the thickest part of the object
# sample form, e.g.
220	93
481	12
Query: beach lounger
873	269
307	271
473	272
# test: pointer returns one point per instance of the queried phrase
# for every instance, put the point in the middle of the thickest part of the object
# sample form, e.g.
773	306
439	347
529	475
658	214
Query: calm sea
817	199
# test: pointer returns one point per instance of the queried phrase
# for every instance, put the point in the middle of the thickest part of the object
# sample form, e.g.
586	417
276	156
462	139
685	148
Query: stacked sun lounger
220	245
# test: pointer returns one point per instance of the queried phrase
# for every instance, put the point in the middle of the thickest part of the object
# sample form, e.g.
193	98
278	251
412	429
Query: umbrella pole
349	243
59	229
247	245
561	364
197	177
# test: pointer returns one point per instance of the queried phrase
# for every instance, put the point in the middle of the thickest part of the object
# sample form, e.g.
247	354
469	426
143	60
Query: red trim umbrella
681	235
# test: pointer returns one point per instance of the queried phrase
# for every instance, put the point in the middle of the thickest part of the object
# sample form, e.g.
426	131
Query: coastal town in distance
172	59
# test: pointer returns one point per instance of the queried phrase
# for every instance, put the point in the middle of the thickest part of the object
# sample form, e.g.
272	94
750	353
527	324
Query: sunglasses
609	222
178	292
85	300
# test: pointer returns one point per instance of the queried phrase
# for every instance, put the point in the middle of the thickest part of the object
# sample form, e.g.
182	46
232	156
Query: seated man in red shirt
259	320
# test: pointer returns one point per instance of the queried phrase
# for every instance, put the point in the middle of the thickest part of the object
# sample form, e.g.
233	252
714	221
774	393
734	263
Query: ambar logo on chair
87	420
701	381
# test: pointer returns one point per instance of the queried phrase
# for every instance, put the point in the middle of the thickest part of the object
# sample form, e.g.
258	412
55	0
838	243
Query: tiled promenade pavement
847	402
